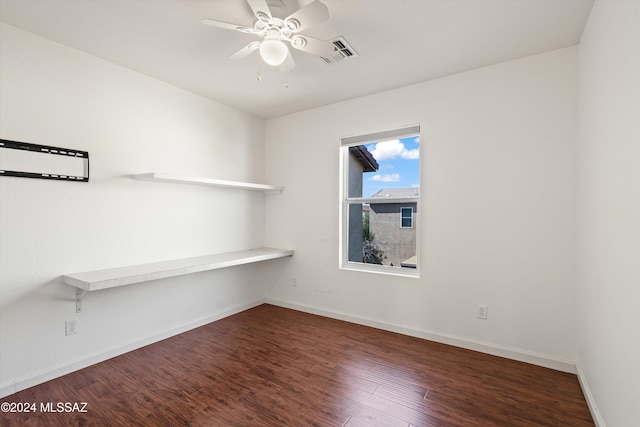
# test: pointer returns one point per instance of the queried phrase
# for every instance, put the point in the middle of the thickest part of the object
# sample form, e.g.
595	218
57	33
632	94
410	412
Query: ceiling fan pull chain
259	71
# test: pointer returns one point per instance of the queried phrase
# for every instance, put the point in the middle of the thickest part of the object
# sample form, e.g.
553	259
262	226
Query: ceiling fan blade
313	46
245	51
309	15
288	64
260	9
228	26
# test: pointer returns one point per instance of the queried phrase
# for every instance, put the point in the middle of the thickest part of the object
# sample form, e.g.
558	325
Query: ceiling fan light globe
273	52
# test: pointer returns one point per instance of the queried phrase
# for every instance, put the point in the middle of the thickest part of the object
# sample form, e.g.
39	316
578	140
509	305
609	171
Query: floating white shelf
121	276
180	179
103	279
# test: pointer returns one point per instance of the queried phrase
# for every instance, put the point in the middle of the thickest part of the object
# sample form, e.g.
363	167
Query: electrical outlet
71	327
482	311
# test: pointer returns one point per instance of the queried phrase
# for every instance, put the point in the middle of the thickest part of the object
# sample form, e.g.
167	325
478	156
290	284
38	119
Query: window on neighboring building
406	217
381	189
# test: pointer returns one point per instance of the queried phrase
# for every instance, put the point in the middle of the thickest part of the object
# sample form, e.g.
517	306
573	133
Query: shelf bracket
80	293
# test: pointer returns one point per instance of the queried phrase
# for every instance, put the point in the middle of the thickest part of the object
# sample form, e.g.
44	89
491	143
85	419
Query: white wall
608	297
130	124
498	217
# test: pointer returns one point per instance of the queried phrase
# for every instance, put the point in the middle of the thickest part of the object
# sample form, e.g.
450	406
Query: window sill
381	269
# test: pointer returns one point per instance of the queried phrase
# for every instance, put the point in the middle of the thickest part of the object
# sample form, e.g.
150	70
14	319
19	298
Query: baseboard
533	358
19	384
591	403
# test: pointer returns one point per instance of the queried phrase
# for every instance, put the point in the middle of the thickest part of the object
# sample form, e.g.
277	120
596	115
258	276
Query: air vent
343	51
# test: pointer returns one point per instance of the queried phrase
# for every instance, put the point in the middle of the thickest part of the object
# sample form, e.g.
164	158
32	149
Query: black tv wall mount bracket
46	149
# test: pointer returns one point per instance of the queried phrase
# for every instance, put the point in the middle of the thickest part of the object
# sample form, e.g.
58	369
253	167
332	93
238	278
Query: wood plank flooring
271	366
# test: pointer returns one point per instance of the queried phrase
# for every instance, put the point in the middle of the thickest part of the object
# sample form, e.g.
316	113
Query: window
406	217
380	196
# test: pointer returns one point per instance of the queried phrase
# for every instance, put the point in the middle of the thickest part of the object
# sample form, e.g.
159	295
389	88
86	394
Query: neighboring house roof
397	192
365	157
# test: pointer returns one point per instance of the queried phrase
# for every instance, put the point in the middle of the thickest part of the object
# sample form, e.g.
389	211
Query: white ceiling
399	42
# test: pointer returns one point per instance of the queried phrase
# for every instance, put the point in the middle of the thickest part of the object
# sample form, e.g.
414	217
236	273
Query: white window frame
402	217
345	201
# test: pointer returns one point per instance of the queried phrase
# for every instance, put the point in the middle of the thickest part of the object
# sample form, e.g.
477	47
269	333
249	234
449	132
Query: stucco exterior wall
398	244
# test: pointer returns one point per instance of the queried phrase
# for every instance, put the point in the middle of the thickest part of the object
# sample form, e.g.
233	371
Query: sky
399	165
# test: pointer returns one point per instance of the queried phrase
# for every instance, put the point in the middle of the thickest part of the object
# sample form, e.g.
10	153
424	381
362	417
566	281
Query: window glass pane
375	238
398	171
407	217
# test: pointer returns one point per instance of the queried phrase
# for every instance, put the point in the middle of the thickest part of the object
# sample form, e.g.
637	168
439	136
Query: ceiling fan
274	32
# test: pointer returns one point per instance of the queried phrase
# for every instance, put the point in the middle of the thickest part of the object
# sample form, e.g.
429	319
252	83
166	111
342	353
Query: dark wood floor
270	366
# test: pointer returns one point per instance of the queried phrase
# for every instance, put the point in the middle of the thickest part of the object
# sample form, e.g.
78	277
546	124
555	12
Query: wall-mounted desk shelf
103	279
180	179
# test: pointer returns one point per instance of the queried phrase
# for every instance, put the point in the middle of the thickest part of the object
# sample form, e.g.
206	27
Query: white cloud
390	150
394	177
411	154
